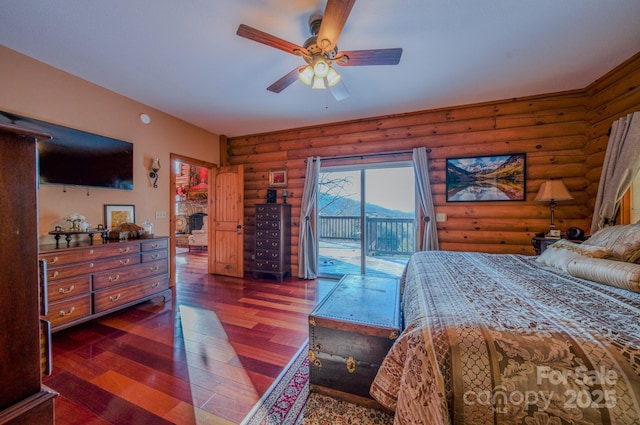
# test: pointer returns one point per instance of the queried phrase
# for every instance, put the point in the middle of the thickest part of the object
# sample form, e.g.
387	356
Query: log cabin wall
563	135
613	96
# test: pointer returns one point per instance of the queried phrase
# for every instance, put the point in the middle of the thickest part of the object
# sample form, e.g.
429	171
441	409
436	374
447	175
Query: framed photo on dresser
116	215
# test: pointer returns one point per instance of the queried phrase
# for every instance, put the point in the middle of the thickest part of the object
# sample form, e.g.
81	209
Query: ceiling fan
320	51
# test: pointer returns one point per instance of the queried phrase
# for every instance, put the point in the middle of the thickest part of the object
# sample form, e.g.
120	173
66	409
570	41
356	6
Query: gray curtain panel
621	164
307	253
429	241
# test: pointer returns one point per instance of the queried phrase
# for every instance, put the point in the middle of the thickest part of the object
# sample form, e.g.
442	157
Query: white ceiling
183	57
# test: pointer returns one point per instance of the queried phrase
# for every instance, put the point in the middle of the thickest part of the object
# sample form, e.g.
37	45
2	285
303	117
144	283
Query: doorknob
239	227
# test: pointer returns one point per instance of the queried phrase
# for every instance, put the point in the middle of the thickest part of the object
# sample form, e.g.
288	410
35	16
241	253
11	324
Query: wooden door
227	247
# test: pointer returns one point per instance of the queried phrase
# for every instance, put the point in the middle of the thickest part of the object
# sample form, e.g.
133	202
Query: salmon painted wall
33	89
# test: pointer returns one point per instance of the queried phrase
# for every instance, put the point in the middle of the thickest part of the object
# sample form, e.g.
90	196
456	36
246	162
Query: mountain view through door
366	220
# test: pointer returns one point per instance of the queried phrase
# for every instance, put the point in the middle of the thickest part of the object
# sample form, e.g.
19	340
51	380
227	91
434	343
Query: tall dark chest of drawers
273	240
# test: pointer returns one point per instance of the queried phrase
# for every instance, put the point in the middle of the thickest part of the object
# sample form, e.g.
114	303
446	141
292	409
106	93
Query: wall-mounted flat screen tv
77	158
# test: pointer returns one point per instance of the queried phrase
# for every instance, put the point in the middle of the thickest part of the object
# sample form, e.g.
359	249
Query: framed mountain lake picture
487	178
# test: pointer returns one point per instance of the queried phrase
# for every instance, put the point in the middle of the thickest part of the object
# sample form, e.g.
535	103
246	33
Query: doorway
366	219
190	206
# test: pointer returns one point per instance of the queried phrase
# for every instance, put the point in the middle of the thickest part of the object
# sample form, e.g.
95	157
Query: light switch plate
161	214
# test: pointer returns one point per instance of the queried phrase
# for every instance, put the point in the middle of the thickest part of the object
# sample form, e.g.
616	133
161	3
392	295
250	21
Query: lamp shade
318	83
156	164
321	68
333	77
553	190
306	75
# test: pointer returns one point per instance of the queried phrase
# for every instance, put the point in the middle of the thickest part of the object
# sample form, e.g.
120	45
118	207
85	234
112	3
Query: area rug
289	402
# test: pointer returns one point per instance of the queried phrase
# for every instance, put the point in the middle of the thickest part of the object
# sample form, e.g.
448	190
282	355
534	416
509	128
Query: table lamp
552	191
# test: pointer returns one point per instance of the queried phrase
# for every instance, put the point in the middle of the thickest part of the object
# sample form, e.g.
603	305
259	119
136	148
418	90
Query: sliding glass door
366	219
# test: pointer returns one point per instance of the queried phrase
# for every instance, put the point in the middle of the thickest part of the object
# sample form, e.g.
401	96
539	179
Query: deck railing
383	235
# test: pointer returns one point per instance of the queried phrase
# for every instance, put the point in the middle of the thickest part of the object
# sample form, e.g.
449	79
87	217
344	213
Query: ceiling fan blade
285	81
335	16
268	39
370	57
339	91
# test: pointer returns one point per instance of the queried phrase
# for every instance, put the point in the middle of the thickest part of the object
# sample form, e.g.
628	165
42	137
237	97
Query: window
366	219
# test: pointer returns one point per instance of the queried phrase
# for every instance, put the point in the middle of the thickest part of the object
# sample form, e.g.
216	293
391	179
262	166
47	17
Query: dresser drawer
267	225
71	270
60	257
146	257
68	310
267	216
268	244
114	297
126	274
262	233
268	209
267	266
268	255
155	244
67	288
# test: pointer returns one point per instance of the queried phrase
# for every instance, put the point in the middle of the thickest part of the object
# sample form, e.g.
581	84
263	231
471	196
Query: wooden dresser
273	240
86	282
23	398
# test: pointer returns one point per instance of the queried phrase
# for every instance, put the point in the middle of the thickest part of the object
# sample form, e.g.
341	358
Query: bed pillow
560	253
624	239
610	272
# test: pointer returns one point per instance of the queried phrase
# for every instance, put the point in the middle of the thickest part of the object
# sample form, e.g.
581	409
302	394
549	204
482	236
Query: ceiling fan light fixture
318	83
320	51
306	75
333	77
321	68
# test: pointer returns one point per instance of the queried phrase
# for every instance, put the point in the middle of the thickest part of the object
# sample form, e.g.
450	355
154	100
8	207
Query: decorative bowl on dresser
88	281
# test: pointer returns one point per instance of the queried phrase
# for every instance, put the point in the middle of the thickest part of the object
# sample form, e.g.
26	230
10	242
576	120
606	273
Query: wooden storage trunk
351	331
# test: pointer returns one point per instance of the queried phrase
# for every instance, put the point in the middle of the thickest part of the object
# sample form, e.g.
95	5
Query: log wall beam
563	134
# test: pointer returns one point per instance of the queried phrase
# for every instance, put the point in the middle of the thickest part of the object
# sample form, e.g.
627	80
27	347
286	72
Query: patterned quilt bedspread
502	339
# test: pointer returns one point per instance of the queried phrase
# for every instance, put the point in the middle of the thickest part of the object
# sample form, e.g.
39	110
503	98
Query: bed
512	339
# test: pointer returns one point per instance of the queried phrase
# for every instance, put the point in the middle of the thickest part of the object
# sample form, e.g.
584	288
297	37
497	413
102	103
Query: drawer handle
155	268
124	262
116	298
63	313
66	291
155	256
54	275
155	285
124	250
155	245
53	260
113	279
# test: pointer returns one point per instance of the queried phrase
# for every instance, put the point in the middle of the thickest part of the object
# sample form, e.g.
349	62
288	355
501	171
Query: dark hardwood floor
205	358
